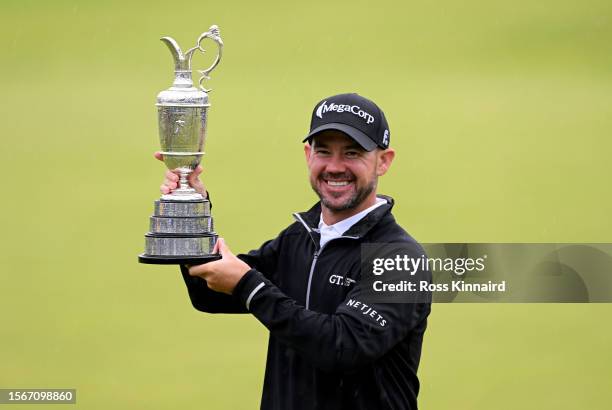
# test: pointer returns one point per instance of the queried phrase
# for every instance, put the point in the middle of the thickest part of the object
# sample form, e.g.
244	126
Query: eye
321	151
352	154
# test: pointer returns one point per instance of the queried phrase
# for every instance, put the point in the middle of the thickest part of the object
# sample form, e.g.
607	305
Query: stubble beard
352	202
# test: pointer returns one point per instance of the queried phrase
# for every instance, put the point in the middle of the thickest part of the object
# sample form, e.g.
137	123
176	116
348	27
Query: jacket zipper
316	254
314	262
312	266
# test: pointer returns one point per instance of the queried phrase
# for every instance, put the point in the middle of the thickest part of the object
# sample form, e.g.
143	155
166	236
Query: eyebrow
353	145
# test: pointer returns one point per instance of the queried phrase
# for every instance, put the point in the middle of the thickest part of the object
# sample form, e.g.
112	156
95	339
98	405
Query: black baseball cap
359	118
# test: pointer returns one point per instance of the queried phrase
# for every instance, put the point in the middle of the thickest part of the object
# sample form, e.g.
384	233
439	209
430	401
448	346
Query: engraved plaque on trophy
181	227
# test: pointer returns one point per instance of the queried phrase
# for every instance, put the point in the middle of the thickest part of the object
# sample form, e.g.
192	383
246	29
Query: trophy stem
184	192
184	184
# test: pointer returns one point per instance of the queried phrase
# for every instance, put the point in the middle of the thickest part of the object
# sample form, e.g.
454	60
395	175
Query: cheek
314	169
364	170
315	165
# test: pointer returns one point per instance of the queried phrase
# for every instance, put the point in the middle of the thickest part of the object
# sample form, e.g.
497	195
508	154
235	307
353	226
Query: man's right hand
171	180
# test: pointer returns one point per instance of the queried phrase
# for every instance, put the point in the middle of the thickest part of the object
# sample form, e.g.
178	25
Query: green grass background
501	114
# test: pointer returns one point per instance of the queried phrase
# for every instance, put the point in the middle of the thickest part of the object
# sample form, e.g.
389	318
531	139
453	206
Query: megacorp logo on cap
340	108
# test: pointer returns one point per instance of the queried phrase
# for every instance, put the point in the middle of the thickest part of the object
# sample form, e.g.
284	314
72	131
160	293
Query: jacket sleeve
207	300
356	334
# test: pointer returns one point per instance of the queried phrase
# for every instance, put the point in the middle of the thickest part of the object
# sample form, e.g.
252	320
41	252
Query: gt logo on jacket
341	280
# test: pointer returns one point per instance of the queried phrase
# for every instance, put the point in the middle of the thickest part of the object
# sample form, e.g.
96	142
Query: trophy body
181	228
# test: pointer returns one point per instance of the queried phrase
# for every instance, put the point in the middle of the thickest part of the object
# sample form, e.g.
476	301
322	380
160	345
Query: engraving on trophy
179	125
181	228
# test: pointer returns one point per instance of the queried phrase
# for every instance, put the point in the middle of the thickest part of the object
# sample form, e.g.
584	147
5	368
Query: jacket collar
310	218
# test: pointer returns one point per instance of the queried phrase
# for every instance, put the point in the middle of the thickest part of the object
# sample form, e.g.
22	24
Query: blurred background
501	114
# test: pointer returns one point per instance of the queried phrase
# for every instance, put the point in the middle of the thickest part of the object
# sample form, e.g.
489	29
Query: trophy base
177	260
181	233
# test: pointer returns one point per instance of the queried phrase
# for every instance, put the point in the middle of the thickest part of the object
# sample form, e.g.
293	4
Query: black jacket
328	349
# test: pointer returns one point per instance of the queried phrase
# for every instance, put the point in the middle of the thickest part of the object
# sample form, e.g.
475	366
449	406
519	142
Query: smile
338	183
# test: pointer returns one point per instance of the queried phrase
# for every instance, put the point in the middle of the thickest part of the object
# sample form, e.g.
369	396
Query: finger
164	189
216	247
171	185
171	180
200	270
192	271
158	155
197	171
224	250
219	247
172	176
193	178
195	182
205	270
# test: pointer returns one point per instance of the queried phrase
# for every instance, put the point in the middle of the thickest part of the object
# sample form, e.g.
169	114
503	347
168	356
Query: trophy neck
182	79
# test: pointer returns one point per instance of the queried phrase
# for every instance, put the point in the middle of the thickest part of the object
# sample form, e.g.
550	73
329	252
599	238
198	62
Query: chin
335	204
343	202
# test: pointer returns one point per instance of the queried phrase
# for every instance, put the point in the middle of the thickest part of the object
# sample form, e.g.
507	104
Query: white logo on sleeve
367	311
340	108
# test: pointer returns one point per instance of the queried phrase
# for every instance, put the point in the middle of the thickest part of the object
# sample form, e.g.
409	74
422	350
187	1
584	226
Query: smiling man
329	346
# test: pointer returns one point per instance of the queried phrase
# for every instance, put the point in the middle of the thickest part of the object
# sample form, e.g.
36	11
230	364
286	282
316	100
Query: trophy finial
182	62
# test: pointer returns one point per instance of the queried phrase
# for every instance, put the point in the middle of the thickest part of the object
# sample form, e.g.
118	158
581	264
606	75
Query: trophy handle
214	34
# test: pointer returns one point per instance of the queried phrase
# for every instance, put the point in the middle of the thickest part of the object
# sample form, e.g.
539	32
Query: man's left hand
224	274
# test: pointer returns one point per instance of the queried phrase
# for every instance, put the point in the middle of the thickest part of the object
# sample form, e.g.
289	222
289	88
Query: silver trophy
181	228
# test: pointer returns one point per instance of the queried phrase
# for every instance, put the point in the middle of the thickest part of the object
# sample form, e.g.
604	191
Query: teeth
338	183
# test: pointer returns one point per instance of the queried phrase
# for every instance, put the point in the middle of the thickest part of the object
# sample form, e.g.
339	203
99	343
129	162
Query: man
329	347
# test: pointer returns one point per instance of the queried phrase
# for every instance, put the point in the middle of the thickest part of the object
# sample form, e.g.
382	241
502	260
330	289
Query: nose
335	164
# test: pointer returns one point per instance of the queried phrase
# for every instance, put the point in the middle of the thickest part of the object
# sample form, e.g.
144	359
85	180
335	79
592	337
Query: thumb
197	171
158	155
193	176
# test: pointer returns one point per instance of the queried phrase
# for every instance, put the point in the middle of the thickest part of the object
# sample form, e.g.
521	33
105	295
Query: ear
385	158
307	151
